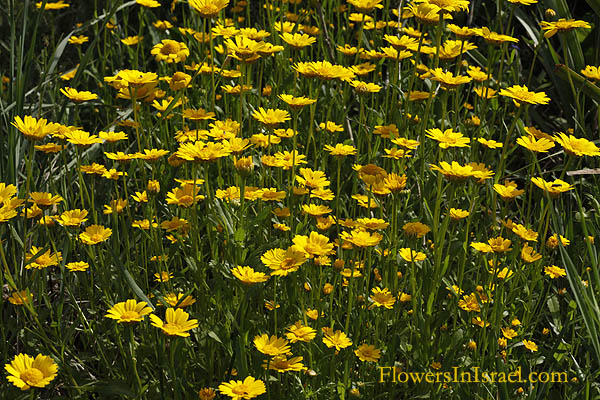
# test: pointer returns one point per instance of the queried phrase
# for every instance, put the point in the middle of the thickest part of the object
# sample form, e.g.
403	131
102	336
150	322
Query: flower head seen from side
454	172
448	138
26	372
34	129
591	72
249	388
541	145
522	95
208	8
297	41
551	28
78	96
282	363
271	117
248	276
283	262
554	272
555	188
129	311
300	333
530	345
177	322
447	79
577	147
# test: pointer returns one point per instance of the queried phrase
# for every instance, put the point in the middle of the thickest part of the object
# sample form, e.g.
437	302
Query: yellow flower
36	259
555	188
34	129
170	51
315	210
524	233
331	127
577	146
148	3
367	352
364	6
382	298
521	94
44	200
244	48
282	364
529	255
82	138
562	26
249	388
337	339
340	150
72	217
411	255
448	138
248	276
554	272
458	214
131	40
20	297
208	8
530	345
24	371
207	394
537	145
95	234
324	70
591	72
447	79
177	322
454	172
78	39
112	137
78	96
163	276
469	303
271	117
508	191
312	179
365	87
77	266
297	41
495	38
300	333
313	245
448	5
360	238
129	311
283	262
509	333
271	346
57	5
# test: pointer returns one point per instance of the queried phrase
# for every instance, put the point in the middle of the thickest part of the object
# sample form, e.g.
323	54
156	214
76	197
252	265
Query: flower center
169	48
32	376
240	390
130	315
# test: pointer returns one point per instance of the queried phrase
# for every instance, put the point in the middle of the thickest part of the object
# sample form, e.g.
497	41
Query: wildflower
313	245
469	303
208	8
371	174
509	333
315	210
331	127
312	179
360	238
523	2
521	94
553	241
555	188
77	266
447	79
248	276
271	117
21	297
82	138
148	3
530	345
177	322
72	217
34	129
529	255
44	200
337	339
577	146
129	311
207	394
249	388
283	364
184	196
131	40
479	322
56	5
495	38
454	172
448	138
37	259
297	41
554	272
77	96
24	371
417	229
365	87
112	137
365	6
367	352
562	26
382	298
508	191
372	223
272	346
95	234
300	333
410	255
591	72
537	145
425	13
163	276
78	39
283	262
